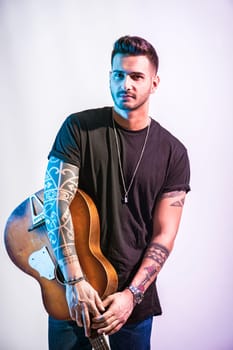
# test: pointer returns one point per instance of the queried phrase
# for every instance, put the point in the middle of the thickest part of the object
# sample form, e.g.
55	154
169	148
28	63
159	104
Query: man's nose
127	83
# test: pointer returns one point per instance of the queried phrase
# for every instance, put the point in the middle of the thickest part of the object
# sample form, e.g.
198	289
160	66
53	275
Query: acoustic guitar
29	248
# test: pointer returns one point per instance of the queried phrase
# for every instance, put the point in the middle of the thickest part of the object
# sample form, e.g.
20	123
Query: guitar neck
99	343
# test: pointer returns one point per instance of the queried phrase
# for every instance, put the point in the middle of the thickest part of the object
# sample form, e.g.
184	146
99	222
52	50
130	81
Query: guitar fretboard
99	343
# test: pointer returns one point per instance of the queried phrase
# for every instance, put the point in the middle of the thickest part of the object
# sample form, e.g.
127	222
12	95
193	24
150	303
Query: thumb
107	301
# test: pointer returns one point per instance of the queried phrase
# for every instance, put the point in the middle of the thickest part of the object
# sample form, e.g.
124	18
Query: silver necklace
126	190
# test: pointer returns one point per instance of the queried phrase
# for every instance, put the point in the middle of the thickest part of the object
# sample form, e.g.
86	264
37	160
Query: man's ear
155	83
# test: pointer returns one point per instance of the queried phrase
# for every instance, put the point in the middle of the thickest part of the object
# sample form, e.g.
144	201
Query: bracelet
60	278
74	281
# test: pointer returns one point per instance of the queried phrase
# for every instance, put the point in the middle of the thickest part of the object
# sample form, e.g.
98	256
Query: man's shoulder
95	115
166	137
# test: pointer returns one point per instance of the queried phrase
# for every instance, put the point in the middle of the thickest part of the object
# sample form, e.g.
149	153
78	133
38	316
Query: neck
131	120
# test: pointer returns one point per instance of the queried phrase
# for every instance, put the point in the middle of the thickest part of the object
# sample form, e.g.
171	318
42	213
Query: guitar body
29	248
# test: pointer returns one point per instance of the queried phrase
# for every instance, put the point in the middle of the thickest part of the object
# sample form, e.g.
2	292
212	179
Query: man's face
132	80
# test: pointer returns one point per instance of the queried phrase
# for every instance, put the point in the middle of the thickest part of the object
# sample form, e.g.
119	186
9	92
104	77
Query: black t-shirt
87	140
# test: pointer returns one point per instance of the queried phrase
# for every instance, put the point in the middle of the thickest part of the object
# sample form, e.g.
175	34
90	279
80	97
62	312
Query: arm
166	221
61	183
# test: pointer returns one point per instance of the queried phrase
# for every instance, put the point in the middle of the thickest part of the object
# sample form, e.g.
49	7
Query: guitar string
99	343
99	346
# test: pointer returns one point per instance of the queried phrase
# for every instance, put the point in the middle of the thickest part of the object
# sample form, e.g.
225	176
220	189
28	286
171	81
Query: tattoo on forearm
60	188
69	259
150	272
179	195
158	253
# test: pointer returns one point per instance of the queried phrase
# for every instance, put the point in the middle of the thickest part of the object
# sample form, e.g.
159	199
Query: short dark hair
135	46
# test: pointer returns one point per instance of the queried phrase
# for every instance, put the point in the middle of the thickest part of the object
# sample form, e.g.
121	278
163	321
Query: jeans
66	335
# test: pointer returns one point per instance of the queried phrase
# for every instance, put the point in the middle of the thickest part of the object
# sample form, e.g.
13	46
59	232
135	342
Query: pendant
125	199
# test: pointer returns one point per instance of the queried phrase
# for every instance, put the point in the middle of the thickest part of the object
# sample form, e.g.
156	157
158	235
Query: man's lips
126	96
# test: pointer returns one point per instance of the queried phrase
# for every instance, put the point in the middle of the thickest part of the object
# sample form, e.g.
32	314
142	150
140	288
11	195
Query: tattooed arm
61	183
166	221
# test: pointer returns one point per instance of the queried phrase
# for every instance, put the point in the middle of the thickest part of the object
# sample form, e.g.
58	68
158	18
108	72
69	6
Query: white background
54	60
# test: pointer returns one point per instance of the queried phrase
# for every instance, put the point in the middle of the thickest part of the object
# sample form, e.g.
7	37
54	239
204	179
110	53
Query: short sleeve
67	142
178	174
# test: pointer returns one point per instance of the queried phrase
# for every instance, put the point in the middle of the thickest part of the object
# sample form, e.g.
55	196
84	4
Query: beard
129	101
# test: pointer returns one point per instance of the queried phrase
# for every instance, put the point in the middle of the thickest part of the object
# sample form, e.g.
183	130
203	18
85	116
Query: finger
111	329
72	314
98	320
86	320
107	301
115	330
102	318
99	305
96	307
100	324
103	323
72	302
78	318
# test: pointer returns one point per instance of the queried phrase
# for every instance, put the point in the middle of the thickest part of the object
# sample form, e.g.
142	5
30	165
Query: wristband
74	281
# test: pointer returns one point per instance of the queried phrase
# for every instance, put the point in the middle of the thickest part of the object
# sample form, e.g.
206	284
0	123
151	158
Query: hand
83	301
119	307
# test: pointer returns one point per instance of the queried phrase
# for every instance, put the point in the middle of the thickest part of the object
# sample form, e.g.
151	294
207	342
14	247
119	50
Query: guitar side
22	242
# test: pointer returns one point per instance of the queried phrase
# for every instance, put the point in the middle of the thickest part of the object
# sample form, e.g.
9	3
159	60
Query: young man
137	174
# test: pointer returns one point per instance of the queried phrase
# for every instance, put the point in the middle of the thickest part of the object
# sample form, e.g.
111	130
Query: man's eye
118	76
136	76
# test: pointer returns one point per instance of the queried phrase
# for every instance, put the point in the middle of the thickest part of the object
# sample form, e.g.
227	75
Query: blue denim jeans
65	335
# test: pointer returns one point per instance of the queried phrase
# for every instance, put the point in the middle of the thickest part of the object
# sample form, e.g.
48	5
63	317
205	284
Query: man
137	174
